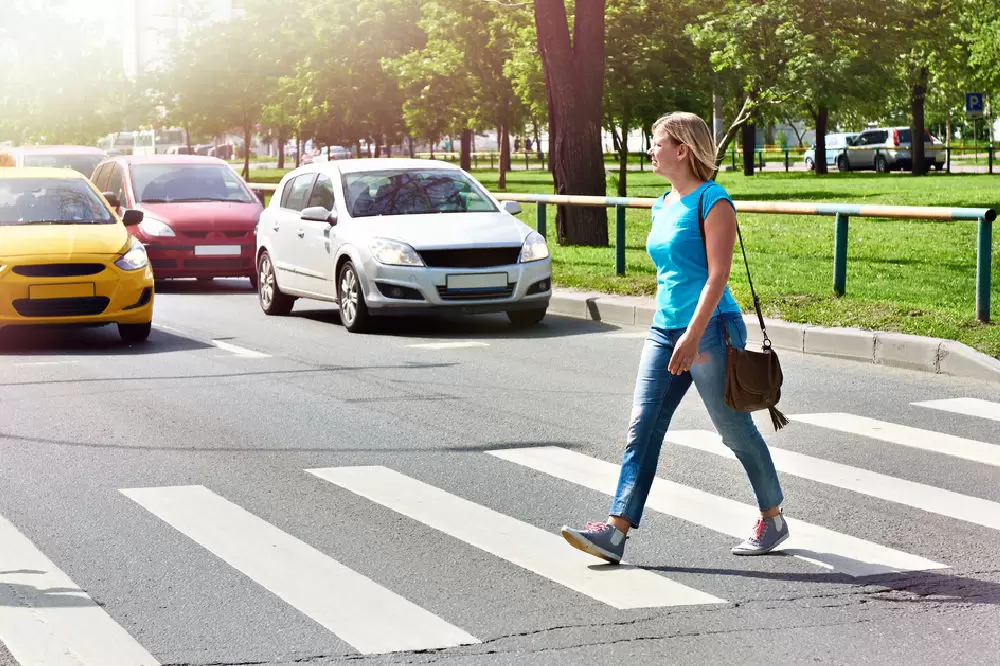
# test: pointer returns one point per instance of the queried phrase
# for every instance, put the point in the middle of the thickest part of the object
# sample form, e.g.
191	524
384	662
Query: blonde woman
686	342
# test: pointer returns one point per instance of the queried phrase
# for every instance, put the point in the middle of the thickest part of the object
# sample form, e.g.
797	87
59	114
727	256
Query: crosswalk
372	618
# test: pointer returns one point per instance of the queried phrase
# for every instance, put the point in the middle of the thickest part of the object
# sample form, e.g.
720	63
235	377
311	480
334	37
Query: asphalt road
253	490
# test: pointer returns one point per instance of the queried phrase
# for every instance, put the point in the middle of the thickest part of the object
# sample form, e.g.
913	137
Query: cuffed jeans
657	394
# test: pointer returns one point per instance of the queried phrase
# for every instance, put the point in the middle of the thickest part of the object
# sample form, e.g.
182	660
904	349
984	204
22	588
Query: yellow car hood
61	239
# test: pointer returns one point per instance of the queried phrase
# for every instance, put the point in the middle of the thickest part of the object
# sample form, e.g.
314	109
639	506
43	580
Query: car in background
79	158
66	258
199	215
328	154
835	144
398	237
886	149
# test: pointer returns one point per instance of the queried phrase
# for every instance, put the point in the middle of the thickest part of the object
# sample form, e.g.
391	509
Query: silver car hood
446	230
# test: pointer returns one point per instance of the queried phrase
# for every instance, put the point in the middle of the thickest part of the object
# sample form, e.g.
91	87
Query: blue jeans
657	394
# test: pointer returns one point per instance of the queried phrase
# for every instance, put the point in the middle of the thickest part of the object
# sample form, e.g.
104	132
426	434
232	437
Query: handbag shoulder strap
753	293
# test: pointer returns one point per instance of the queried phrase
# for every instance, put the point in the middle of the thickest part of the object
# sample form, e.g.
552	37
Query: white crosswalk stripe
965	406
927	498
46	620
525	545
826	548
359	611
917	438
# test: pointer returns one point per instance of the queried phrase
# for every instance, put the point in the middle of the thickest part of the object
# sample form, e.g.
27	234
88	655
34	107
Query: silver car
396	237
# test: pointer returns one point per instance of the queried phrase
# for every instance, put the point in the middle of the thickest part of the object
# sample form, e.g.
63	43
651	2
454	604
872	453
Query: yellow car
66	258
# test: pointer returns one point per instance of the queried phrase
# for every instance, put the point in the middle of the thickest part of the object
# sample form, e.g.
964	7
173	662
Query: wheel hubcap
348	296
266	278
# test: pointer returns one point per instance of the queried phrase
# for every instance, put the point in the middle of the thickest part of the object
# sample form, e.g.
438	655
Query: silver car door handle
276	226
300	233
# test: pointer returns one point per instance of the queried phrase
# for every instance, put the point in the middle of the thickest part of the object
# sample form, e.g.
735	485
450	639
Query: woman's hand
685	353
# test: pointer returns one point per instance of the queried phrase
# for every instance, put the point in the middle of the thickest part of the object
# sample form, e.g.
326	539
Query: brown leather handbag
753	379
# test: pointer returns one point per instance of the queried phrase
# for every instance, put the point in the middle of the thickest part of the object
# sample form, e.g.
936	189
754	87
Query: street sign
973	105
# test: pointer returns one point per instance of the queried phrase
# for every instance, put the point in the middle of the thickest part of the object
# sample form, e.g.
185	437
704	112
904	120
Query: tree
574	77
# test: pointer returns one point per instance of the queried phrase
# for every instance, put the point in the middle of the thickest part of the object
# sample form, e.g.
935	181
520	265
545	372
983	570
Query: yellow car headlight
133	259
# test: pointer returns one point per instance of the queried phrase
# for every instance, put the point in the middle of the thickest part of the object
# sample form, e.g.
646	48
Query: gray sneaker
768	533
599	539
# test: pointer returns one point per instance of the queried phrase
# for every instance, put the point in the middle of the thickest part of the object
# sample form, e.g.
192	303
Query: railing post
984	257
540	217
526	167
947	157
786	160
620	240
491	159
990	152
840	256
732	153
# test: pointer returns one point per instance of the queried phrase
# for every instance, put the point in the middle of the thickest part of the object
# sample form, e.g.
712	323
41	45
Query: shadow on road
216	287
470	327
87	341
910	587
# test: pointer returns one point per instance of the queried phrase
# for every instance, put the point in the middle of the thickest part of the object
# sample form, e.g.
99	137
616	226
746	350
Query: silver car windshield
25	201
413	192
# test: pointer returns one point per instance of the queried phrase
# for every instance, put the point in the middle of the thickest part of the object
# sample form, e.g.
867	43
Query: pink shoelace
596	527
758	529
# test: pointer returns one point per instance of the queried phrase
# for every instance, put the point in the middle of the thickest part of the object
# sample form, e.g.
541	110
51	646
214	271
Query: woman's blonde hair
690	130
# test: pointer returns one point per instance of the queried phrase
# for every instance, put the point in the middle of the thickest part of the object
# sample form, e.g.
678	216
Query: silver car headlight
154	227
534	248
133	259
394	253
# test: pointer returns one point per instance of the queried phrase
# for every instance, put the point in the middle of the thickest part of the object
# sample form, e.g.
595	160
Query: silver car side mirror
512	207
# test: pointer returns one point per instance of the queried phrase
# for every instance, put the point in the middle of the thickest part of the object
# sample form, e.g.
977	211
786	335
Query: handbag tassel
778	420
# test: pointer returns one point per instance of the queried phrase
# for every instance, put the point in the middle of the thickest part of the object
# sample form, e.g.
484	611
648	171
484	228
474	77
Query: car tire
273	301
526	318
843	164
881	165
354	313
809	164
134	333
938	166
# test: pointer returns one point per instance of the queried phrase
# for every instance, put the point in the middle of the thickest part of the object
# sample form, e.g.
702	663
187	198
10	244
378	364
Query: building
152	27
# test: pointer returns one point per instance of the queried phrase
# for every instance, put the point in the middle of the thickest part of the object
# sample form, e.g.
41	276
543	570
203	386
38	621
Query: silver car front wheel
353	309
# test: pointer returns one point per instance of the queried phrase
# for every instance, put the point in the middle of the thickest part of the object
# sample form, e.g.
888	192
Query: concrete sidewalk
894	349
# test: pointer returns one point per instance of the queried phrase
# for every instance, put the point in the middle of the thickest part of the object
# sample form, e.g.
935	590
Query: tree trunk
718	120
917	93
298	148
819	155
742	118
187	136
504	166
466	160
282	140
538	143
574	76
616	143
409	141
623	159
247	135
749	141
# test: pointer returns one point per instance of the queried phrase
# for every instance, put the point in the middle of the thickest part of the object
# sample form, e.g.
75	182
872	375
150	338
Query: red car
198	214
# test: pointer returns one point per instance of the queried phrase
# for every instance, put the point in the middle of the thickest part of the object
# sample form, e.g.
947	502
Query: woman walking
691	243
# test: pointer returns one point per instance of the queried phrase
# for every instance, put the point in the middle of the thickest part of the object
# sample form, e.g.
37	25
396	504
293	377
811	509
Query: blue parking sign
974	105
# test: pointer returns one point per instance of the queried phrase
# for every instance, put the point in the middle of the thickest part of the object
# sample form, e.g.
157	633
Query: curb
899	350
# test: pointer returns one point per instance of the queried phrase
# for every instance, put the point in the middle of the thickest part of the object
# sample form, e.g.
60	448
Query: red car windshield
173	183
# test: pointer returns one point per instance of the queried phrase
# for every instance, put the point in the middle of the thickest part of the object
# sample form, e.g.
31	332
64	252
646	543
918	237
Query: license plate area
217	250
41	292
475	281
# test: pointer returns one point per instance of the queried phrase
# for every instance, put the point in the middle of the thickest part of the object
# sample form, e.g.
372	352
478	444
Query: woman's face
667	154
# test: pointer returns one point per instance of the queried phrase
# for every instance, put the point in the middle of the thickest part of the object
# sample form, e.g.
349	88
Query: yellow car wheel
133	333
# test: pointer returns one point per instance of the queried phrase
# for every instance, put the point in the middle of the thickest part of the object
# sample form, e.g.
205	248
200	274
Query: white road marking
817	545
242	352
167	329
450	345
927	498
525	545
36	364
362	613
966	406
46	620
918	438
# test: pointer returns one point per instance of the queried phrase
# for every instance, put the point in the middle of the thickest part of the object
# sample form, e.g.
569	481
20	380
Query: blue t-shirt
678	252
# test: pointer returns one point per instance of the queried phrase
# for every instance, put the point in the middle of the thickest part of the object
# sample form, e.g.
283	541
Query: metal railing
840	212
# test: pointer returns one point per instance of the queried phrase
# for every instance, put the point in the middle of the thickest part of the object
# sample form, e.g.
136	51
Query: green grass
909	276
